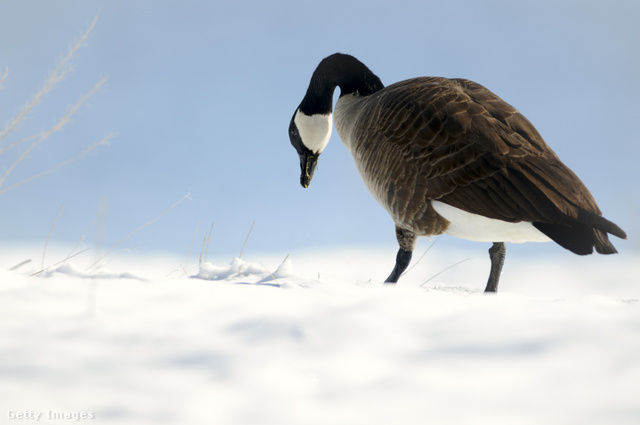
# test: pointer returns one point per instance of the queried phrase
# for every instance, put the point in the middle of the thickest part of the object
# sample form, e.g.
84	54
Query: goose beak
308	162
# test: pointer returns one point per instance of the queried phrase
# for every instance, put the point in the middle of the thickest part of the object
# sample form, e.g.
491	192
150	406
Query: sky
199	95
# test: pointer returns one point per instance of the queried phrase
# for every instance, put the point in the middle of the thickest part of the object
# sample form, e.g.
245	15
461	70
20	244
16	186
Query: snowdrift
317	339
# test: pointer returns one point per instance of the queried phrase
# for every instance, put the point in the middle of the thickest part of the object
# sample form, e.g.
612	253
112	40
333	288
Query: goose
448	156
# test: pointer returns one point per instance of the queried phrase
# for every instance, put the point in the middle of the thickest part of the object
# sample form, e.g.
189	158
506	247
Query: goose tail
584	233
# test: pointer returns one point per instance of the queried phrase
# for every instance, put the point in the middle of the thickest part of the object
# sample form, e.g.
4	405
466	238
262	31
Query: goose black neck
344	71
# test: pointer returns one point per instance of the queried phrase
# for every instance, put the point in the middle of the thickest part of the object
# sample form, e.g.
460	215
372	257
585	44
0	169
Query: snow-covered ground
317	339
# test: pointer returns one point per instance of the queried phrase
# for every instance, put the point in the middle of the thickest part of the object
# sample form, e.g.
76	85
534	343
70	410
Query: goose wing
472	150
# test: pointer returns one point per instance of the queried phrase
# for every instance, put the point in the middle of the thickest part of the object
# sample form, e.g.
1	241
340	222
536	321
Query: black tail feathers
582	234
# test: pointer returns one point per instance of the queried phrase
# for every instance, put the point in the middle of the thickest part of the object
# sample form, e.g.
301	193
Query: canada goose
448	156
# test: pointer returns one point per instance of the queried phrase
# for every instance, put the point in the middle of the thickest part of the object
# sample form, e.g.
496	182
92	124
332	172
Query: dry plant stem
204	242
103	142
44	251
17	266
18	142
58	263
421	257
3	76
187	196
270	274
193	239
45	135
99	219
206	254
56	76
246	239
442	271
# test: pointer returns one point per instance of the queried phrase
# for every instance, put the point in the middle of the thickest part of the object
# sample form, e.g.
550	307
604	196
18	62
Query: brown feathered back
454	141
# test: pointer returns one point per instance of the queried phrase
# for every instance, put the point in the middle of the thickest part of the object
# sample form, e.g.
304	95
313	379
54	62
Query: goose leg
402	262
407	241
497	253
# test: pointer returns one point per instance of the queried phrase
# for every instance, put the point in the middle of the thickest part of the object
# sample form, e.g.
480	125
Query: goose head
309	135
310	127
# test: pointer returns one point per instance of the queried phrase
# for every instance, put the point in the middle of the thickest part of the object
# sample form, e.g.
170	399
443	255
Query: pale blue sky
200	94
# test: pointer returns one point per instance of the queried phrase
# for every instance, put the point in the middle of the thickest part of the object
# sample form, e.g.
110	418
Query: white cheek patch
315	130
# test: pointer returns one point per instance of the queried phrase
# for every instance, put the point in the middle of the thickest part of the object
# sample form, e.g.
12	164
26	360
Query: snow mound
72	270
243	272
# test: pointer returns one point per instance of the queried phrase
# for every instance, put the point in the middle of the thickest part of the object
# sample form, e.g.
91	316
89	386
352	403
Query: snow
316	338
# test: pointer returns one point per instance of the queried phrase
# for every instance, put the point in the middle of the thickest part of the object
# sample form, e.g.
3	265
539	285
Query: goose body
448	156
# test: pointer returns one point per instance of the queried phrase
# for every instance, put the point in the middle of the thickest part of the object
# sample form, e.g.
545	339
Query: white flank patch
315	130
476	227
